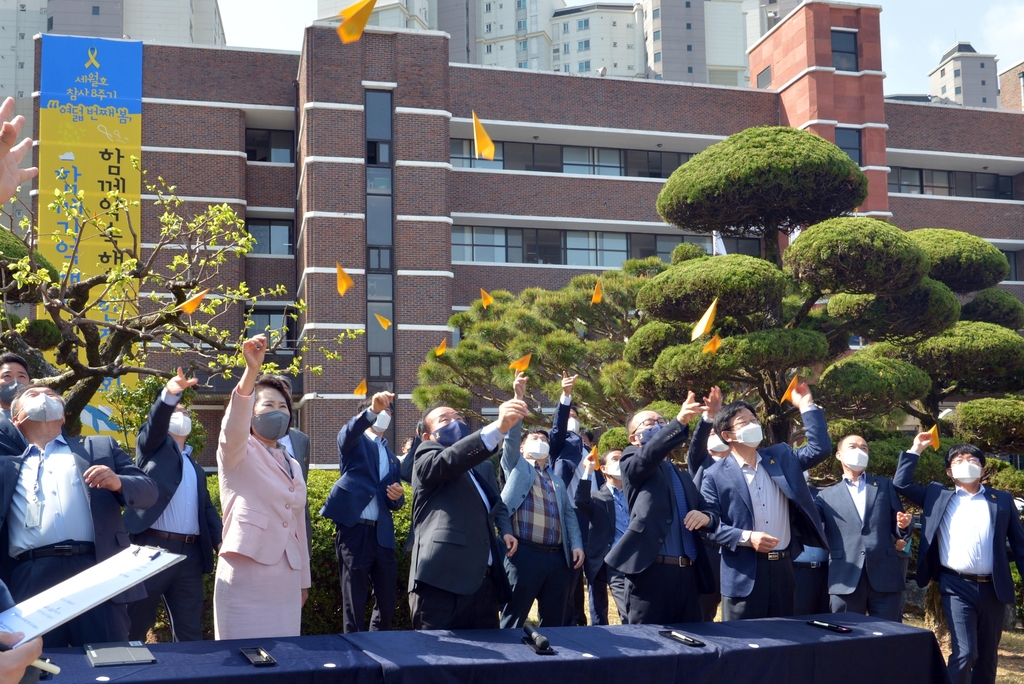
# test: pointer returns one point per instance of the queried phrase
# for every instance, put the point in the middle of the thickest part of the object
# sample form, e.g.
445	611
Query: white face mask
574	425
42	407
750	434
180	425
535	449
716	445
382	422
966	472
855	459
613	469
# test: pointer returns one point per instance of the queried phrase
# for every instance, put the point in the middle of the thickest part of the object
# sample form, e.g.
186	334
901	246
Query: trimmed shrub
994	306
963	262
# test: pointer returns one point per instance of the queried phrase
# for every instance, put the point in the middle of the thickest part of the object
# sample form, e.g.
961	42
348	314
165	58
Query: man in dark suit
767	512
14	375
608	513
863	518
183	519
360	504
964	533
456	576
51	537
660	553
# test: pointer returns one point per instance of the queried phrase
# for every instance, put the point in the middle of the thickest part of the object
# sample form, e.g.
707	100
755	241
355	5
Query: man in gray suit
543	521
456	578
863	518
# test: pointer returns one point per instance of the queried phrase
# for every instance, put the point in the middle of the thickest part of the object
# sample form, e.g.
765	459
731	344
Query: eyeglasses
649	423
965	459
738	426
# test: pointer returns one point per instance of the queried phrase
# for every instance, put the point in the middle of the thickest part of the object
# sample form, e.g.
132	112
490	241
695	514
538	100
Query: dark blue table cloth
779	651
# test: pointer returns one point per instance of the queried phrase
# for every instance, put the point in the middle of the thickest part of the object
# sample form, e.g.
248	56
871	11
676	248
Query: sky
915	33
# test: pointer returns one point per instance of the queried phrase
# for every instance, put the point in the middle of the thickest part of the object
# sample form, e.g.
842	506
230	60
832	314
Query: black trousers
975	616
434	608
810	596
363	566
181	588
575	615
540	576
663	594
866	601
709	602
105	623
607	578
772	595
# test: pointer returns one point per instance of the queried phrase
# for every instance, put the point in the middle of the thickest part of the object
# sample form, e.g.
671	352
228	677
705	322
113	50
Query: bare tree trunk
75	401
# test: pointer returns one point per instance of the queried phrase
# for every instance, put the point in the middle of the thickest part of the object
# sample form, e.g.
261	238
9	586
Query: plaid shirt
536	520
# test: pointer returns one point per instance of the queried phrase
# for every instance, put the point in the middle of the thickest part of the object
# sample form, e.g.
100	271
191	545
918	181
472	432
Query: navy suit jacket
599	507
360	481
137	491
565	448
856	547
932	499
157	454
12	442
698	458
725	490
647	484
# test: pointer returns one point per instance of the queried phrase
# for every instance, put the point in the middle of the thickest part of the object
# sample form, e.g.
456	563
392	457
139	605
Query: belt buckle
683	561
190	539
63	550
773	555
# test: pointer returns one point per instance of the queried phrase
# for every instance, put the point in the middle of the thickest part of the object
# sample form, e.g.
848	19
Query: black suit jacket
599	507
12	442
453	530
137	491
157	454
652	504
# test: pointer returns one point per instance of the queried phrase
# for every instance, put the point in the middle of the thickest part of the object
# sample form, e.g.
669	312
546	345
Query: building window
658	77
272	236
487	28
689	69
615	23
21	36
566	159
487	7
848	140
942	73
523	65
958	90
982	81
21	65
984	99
21	93
844	51
565	27
565	68
950	183
657	57
584	66
272	322
582	24
522	46
21	7
49	23
263	145
956	73
943	90
689	48
1011	258
982	65
764	78
657	35
565	48
487	49
583	45
689	26
461	155
520	4
687	4
656	14
521	25
95	10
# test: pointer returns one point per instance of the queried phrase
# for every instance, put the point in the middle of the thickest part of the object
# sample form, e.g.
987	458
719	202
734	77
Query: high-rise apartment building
589	38
699	41
966	77
516	33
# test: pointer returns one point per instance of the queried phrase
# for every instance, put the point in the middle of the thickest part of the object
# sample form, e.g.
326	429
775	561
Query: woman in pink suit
263	571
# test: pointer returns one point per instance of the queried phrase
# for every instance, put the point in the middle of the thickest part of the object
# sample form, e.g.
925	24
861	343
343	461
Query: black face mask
8	391
271	426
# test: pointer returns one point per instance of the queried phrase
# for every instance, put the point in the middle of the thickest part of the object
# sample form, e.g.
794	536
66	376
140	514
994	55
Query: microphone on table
539	640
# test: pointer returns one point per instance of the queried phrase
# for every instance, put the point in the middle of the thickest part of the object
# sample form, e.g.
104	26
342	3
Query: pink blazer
264	508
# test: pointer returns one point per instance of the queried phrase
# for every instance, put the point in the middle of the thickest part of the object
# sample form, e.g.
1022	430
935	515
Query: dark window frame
843	58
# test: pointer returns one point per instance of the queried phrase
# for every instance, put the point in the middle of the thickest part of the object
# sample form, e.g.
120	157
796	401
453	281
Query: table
783	651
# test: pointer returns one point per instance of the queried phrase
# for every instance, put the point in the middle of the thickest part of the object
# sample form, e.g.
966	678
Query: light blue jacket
519	476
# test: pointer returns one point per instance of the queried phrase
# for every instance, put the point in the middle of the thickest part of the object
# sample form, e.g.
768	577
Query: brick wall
955	129
1010	89
985	219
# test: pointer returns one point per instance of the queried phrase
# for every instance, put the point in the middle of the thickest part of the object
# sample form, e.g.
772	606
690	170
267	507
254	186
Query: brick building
358	154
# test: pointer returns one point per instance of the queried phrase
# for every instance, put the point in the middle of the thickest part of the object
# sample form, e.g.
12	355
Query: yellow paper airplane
344	280
441	348
485	298
482	143
521	364
361	389
353	20
595	457
788	396
712	346
384	323
596	299
934	432
703	326
190	305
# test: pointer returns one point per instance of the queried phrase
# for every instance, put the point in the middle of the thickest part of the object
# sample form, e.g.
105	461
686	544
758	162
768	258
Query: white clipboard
86	590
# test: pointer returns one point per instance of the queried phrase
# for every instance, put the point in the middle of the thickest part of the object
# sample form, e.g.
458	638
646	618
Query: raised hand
519	385
802	396
178	384
11	154
921	442
713	402
510	413
690	409
380	401
254	350
567	383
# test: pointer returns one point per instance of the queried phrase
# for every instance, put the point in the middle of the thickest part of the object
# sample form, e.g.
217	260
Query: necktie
682	508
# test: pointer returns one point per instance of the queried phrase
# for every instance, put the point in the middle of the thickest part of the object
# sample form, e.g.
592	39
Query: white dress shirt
770	505
53	480
372	510
181	516
965	534
286	442
859	491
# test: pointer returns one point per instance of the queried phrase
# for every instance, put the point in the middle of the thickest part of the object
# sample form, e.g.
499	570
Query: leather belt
365	521
813	565
77	549
967	576
775	555
678	561
546	548
172	536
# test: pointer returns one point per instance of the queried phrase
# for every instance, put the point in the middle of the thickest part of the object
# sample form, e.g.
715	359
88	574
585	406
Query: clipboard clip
151	551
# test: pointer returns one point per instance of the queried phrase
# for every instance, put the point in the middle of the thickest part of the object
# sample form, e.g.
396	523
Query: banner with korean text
90	126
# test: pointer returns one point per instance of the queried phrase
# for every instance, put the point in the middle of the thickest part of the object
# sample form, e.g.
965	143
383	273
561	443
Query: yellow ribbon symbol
92	59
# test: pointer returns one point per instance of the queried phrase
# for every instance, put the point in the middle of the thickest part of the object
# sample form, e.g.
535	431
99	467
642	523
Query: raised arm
640	462
510	453
560	429
819	446
234	428
905	468
153	432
